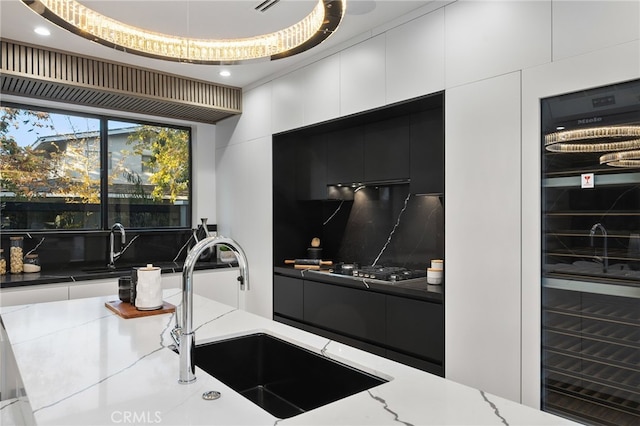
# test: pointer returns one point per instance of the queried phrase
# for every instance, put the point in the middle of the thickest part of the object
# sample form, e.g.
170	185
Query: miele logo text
590	120
136	417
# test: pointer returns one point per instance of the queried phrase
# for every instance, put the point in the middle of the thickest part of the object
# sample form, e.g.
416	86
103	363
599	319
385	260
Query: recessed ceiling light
42	31
225	73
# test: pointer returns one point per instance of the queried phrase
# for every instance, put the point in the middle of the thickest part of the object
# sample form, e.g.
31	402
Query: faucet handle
176	332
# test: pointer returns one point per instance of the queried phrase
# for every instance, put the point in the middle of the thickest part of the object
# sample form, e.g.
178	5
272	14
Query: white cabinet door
287	106
415	58
490	38
33	294
362	76
94	288
220	285
601	24
482	224
321	100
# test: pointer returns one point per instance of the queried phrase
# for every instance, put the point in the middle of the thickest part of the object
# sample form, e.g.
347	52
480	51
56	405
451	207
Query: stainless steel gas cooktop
378	274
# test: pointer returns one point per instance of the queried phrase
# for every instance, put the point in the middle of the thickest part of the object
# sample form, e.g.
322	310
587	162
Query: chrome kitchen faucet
183	333
123	239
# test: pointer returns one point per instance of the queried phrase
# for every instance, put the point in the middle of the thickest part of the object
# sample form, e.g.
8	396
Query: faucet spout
183	332
113	256
592	233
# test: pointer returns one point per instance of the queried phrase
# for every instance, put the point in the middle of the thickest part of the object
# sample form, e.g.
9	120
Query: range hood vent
39	72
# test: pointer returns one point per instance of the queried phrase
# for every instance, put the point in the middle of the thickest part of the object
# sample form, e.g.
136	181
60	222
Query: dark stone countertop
74	273
415	288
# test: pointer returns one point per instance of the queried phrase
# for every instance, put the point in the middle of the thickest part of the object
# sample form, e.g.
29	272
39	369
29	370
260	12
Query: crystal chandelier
305	34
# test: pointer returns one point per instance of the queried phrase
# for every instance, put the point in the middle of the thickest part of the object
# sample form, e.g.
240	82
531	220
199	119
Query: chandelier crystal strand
595	139
622	159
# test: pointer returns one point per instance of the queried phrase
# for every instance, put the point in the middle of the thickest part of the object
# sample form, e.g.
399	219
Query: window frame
104	163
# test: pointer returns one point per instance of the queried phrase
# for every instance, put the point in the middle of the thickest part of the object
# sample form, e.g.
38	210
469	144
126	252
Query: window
51	173
149	183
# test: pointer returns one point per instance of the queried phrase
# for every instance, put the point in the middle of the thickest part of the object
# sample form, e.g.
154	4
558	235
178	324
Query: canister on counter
31	263
124	289
16	254
3	263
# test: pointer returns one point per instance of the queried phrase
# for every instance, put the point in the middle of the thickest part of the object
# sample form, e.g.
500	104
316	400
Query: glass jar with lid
31	263
3	263
16	254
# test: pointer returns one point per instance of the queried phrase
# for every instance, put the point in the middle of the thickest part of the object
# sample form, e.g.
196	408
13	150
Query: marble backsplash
59	251
384	225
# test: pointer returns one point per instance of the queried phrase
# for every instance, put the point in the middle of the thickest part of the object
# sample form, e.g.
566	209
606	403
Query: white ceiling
203	19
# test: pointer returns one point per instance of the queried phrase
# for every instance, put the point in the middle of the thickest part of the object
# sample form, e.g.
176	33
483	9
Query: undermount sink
282	378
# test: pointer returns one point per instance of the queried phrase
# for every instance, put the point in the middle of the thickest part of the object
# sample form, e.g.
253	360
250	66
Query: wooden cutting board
127	310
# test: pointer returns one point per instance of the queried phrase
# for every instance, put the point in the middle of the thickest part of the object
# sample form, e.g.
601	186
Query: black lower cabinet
345	310
287	297
407	319
406	330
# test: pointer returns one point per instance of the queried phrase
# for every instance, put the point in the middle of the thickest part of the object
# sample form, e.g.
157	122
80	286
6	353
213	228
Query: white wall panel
362	76
254	122
322	90
204	173
585	26
415	58
566	76
482	235
287	102
245	214
488	38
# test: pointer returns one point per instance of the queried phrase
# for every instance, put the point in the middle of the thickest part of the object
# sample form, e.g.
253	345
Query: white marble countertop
81	364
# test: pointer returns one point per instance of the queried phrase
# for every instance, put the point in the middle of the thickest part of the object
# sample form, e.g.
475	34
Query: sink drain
211	395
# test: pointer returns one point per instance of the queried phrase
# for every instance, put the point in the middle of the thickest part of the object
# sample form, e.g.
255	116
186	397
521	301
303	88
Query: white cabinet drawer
33	294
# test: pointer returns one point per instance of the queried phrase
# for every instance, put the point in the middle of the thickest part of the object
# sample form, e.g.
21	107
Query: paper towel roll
149	289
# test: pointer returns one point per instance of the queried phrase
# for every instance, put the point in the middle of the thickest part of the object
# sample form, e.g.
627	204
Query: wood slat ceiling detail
43	73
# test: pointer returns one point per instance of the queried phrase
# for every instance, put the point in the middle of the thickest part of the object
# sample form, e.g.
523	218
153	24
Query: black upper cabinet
427	152
345	156
311	168
387	150
374	152
397	143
